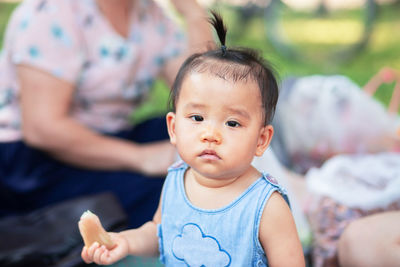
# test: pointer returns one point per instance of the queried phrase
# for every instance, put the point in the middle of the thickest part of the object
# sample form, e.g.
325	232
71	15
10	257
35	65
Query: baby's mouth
209	155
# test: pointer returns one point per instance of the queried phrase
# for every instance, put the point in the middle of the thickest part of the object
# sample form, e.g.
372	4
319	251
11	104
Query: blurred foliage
316	37
5	12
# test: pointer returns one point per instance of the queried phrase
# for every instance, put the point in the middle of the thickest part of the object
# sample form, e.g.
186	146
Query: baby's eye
232	124
197	118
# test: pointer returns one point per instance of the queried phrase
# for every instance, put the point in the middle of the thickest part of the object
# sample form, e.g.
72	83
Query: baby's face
218	125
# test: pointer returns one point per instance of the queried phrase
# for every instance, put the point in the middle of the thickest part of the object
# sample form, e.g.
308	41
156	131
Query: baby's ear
264	139
171	127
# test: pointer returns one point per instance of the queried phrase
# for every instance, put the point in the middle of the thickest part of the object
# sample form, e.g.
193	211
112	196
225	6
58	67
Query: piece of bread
92	231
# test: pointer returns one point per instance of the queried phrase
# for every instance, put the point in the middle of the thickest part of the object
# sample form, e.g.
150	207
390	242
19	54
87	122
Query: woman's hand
157	157
384	75
103	256
388	75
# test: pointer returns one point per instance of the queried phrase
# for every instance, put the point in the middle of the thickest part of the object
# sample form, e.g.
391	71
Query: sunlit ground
323	32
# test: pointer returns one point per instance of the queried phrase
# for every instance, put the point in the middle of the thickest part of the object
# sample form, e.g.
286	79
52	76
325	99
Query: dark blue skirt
31	179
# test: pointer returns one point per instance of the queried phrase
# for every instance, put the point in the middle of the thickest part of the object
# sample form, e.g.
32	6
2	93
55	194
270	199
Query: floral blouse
72	40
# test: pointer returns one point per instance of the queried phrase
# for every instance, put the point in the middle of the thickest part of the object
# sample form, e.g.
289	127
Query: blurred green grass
5	12
316	37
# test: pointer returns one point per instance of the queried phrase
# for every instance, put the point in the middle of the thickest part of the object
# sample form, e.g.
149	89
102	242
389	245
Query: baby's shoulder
273	186
270	179
273	182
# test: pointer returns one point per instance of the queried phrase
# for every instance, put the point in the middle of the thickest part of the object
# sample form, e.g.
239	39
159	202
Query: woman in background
71	73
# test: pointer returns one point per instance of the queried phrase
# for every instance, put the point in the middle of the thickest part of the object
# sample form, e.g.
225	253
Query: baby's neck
215	193
220	181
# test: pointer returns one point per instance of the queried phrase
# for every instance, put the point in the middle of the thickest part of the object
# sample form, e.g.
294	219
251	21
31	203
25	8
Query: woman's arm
47	125
278	234
199	35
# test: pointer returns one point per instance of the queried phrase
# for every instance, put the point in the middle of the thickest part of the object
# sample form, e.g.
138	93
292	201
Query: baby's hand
100	247
101	255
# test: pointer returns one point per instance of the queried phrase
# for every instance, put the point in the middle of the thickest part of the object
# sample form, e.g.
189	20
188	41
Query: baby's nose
211	134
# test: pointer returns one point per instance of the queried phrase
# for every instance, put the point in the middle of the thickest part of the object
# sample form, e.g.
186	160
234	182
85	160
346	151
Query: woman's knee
371	241
351	251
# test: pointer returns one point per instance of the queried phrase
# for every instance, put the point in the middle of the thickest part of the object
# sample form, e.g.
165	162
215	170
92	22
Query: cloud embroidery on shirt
197	249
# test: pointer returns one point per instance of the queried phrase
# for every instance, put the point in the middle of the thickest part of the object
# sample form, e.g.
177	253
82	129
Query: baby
216	209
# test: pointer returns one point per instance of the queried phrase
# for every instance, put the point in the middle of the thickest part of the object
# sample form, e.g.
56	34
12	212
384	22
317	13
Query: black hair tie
223	48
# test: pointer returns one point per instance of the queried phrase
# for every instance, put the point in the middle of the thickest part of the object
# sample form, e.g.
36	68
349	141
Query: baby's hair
239	64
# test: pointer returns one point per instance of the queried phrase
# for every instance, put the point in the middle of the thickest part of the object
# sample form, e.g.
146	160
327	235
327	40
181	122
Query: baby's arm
142	241
278	234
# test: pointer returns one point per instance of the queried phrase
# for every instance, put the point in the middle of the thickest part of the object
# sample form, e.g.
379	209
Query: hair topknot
234	64
219	26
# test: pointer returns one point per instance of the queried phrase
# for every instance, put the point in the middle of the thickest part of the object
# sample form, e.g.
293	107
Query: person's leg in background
371	241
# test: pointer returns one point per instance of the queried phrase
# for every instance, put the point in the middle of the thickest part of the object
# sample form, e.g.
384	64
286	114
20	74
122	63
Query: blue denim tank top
228	236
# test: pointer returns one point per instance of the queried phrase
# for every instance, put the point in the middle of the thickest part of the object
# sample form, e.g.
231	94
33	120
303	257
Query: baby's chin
218	174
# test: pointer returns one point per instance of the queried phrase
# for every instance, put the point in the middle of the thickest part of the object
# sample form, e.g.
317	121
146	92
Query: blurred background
354	38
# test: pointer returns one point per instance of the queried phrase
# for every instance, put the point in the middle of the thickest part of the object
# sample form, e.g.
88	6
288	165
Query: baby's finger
85	256
98	253
91	250
105	257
